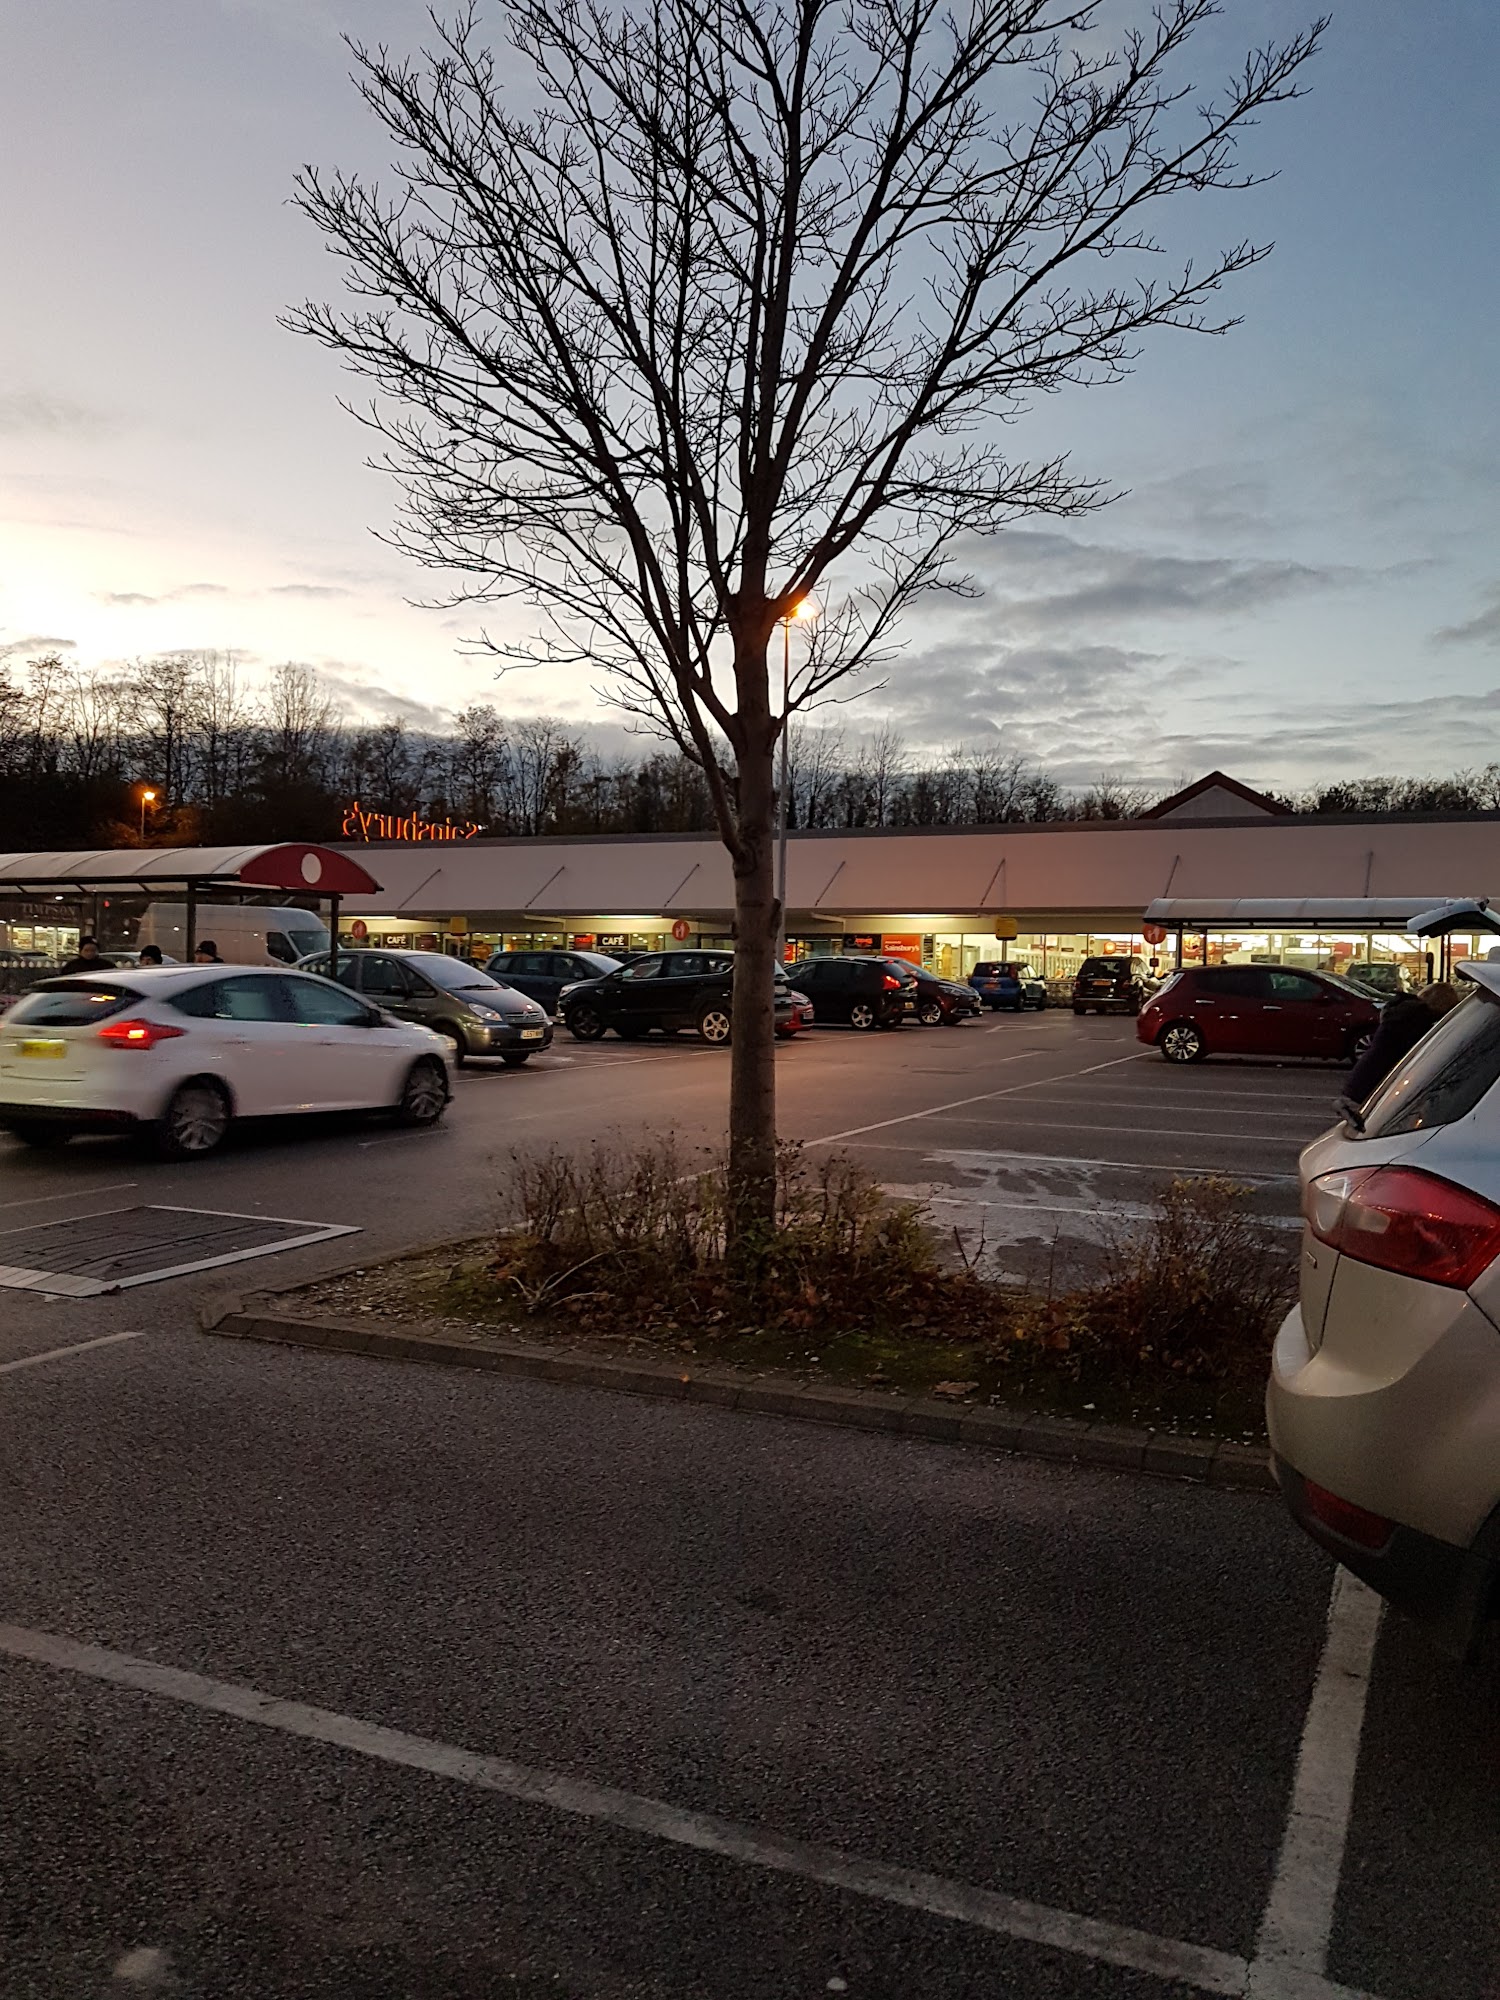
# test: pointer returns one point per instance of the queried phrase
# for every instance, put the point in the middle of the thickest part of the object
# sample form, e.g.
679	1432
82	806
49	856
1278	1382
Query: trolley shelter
196	876
1438	917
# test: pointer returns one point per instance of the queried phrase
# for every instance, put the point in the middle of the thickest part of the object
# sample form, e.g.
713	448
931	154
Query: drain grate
121	1247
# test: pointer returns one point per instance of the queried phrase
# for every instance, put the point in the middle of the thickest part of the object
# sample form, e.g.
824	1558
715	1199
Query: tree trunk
752	1073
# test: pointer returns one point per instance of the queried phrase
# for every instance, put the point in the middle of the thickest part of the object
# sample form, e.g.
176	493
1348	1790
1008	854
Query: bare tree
744	303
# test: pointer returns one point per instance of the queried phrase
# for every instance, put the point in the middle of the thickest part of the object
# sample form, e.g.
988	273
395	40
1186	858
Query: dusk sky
1303	581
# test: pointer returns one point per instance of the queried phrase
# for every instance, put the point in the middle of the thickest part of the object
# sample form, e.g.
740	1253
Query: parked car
474	1014
669	990
1380	981
542	975
1008	983
861	992
1384	1398
941	1002
1111	986
1257	1010
182	1052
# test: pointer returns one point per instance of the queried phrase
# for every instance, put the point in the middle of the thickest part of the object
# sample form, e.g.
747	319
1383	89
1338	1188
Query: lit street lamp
147	799
802	608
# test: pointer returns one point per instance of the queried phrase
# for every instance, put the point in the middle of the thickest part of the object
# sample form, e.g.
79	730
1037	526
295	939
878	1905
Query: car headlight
486	1013
571	987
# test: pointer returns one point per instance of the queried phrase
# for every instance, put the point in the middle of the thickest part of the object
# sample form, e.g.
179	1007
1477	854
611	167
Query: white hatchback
1384	1400
183	1051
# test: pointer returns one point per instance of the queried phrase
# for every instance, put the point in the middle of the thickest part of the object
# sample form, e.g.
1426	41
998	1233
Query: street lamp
801	607
147	799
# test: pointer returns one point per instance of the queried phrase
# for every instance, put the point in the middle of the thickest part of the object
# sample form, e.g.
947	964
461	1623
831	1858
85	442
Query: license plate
38	1047
532	1034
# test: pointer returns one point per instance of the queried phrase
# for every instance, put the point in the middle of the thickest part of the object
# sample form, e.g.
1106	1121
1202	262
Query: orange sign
682	930
902	944
361	825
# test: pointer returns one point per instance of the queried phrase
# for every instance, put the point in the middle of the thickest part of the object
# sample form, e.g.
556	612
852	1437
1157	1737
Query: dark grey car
542	975
477	1014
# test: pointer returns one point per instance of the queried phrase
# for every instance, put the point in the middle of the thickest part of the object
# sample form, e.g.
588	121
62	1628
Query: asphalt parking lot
333	1678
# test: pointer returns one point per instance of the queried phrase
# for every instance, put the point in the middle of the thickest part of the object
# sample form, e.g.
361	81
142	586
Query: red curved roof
296	867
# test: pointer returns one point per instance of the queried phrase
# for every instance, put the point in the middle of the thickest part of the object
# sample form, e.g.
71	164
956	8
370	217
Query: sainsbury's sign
361	825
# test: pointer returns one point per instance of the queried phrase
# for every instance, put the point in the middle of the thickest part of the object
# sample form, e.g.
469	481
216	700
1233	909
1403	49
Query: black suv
1111	985
542	975
865	992
667	990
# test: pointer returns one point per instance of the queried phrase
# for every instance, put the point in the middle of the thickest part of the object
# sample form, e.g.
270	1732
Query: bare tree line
228	760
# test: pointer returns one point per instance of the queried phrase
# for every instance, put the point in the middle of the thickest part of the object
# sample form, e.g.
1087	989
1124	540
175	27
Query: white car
182	1051
1384	1400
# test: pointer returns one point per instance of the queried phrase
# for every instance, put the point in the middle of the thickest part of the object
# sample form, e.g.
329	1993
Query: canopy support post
190	941
333	936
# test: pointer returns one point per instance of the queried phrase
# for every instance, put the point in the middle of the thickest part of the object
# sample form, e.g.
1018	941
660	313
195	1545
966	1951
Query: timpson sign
361	825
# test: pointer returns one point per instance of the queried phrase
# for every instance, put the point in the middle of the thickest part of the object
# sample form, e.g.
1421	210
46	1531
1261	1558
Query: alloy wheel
425	1096
196	1121
861	1015
714	1025
1181	1042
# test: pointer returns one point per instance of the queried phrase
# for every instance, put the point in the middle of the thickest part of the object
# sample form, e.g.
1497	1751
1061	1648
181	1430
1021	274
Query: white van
244	934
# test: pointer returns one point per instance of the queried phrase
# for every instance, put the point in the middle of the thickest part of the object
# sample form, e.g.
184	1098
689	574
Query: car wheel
454	1038
42	1135
1358	1044
631	1031
513	1058
861	1015
714	1024
1079	1010
930	1013
1180	1042
194	1122
424	1095
584	1024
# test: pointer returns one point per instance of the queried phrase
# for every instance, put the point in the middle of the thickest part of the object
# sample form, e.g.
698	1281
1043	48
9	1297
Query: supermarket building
947	896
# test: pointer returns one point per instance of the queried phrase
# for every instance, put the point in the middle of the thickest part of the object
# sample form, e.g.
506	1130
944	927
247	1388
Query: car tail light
1401	1219
136	1034
1355	1524
890	984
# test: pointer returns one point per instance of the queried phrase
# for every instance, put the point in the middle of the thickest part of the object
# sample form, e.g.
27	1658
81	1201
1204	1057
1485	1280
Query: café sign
361	825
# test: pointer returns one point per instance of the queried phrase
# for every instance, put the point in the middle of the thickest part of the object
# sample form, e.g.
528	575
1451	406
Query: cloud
1483	629
35	646
1048	583
309	590
127	597
377	703
30	413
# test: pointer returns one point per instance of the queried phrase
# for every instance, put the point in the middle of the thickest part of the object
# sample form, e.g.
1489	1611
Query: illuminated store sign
362	825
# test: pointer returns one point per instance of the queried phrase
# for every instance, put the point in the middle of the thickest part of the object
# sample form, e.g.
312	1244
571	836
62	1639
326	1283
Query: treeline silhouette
231	762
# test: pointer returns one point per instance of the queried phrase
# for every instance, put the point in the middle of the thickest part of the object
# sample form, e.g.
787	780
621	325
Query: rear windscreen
1099	968
1445	1075
75	1006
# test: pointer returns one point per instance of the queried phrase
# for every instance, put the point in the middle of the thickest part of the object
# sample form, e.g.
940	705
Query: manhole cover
121	1247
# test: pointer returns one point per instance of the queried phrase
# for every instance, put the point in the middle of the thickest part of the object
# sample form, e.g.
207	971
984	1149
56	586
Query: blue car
1008	983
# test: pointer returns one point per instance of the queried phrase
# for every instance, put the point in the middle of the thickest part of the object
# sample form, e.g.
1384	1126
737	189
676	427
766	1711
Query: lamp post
147	799
803	607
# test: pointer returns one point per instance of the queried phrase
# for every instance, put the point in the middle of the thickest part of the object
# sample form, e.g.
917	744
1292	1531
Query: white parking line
1187	1964
1295	1929
982	1097
1143	1131
70	1194
77	1347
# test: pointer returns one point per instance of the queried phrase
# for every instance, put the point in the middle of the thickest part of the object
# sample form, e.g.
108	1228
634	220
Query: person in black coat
89	958
1402	1025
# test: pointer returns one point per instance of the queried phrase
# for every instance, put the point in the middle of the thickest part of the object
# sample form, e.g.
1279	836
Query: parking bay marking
70	1194
76	1347
990	1910
957	1156
981	1097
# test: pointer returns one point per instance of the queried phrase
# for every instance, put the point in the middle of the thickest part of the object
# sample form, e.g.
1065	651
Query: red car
1256	1010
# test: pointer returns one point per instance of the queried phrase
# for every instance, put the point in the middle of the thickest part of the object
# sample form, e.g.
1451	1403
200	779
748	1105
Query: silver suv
1384	1400
478	1015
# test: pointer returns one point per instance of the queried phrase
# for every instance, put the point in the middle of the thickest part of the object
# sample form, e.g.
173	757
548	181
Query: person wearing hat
207	953
89	958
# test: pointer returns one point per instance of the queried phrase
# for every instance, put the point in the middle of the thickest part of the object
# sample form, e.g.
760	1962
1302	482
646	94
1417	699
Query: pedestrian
89	958
1402	1025
151	954
207	953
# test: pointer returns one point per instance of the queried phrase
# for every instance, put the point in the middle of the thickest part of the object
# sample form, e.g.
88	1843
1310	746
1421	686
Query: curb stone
1204	1461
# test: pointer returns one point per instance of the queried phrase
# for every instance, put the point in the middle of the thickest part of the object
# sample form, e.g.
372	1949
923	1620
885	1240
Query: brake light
1355	1524
891	985
1402	1219
136	1034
